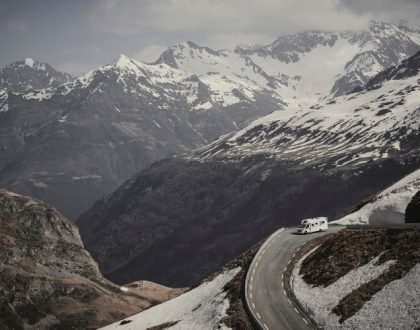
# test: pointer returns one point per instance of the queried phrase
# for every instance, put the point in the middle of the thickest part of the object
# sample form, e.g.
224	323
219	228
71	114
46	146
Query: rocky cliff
49	281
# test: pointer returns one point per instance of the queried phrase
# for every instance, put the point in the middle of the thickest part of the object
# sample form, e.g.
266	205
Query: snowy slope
201	308
388	206
347	131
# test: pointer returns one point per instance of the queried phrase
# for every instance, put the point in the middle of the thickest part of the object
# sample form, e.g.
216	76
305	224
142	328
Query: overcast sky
79	35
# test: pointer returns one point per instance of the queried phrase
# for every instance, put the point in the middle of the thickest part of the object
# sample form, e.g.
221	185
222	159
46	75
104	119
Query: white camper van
313	225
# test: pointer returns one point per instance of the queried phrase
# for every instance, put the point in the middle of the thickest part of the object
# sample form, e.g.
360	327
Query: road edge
248	276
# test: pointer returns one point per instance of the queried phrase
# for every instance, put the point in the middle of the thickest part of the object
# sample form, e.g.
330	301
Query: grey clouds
79	35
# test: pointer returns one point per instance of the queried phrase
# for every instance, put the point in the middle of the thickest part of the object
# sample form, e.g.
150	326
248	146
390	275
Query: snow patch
38	183
87	177
201	308
29	62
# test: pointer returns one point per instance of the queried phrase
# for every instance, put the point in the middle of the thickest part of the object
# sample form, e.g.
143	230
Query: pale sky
76	36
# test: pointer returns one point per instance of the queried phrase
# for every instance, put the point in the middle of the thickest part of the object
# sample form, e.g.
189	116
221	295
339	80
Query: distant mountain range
183	217
69	140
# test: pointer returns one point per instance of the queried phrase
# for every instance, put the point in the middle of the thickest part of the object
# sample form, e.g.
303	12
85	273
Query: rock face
412	212
71	144
197	211
48	280
26	75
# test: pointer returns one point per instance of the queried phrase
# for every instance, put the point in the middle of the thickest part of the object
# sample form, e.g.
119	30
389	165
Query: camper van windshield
302	225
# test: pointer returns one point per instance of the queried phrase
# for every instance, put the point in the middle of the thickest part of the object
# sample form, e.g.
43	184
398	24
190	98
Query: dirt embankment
351	248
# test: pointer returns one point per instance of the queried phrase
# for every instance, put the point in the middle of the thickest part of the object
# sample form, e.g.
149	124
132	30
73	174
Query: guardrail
384	226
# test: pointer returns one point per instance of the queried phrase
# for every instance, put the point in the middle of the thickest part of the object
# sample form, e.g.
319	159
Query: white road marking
252	278
256	264
282	284
253	271
305	321
289	261
284	292
282	275
284	269
253	305
259	258
250	287
289	301
258	315
296	310
250	295
265	327
263	251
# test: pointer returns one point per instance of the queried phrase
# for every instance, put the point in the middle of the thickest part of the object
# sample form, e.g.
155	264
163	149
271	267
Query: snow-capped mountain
313	160
73	143
26	75
70	144
298	68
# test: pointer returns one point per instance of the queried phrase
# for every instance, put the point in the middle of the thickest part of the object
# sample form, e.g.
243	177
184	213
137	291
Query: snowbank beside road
389	206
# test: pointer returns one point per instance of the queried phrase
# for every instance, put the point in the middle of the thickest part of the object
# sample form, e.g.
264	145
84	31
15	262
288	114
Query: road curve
265	293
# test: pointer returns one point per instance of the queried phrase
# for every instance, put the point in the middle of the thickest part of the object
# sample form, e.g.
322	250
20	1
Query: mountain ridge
25	75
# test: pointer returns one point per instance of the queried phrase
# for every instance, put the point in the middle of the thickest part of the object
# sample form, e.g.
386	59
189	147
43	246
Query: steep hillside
225	196
49	281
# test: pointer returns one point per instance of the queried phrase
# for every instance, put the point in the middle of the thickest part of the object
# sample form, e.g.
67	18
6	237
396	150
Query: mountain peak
122	60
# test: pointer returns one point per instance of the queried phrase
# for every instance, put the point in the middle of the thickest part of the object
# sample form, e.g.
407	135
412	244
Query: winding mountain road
266	295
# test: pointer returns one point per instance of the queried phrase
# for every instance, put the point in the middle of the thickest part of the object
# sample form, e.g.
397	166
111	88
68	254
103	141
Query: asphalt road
266	296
